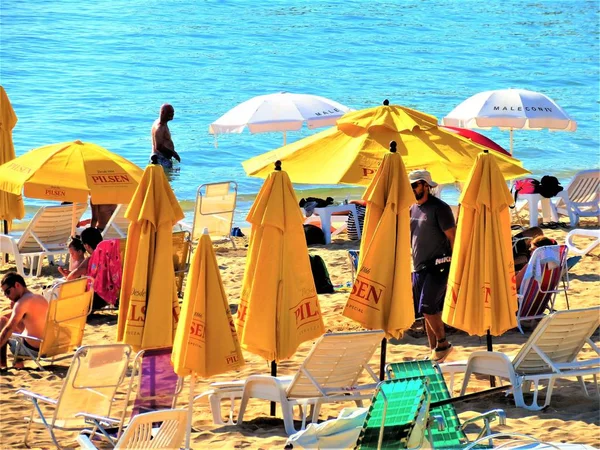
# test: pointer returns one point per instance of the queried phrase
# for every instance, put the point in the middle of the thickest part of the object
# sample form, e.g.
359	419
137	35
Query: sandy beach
571	417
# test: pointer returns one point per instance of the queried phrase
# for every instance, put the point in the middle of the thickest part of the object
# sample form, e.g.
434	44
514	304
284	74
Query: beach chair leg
288	417
583	387
29	422
315	411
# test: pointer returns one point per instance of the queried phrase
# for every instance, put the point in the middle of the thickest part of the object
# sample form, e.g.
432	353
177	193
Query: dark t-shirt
427	225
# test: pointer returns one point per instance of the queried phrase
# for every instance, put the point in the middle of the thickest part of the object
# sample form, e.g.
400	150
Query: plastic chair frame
198	208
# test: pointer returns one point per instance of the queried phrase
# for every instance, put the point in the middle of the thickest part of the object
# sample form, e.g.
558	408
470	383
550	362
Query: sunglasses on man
416	184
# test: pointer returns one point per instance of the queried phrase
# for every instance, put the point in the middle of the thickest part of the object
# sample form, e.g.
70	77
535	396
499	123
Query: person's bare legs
437	338
4	348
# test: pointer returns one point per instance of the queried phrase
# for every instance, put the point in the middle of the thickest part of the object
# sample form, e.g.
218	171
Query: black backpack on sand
320	275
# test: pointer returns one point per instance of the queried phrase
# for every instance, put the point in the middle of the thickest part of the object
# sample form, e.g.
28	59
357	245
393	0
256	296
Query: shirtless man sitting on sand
28	316
162	144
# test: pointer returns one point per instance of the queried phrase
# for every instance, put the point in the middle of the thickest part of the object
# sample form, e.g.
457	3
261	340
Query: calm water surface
99	71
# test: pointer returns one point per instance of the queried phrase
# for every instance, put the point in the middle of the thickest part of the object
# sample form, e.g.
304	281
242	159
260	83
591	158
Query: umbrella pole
382	361
273	374
73	219
488	339
5	231
284	138
511	142
190	414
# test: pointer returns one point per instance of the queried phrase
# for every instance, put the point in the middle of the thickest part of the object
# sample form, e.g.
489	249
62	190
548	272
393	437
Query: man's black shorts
429	289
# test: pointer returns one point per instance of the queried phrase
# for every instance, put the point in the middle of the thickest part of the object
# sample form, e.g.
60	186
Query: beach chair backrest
585	187
66	318
537	295
118	225
215	207
181	253
161	430
50	228
452	436
397	409
335	364
91	382
560	336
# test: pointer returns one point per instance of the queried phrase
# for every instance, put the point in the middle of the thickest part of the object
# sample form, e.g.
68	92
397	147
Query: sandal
439	355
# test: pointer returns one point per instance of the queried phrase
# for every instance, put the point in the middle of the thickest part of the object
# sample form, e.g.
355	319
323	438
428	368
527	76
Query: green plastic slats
404	400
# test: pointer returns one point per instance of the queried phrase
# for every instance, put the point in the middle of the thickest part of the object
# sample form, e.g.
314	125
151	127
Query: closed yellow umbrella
11	205
351	152
205	343
149	307
381	297
279	308
481	296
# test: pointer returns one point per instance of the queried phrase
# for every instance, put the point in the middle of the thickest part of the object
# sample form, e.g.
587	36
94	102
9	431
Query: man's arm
451	235
80	271
16	317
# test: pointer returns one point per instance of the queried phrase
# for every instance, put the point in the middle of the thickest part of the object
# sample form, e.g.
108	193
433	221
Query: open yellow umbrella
350	152
70	172
149	307
381	297
11	205
482	296
206	343
279	308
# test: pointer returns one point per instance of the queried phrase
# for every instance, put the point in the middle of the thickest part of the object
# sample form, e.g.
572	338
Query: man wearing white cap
432	230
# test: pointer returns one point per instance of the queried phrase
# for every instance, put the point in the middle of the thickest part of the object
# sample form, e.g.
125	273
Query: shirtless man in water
162	144
28	315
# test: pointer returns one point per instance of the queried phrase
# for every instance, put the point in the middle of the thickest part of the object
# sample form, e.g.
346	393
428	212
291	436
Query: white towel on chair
544	255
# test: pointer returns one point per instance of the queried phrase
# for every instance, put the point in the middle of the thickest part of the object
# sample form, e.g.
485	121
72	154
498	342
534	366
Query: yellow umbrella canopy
149	307
11	205
381	297
206	343
481	293
279	308
71	171
351	152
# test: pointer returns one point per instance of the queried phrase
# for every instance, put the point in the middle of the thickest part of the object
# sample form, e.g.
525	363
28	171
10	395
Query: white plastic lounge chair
581	198
140	433
69	304
215	207
46	235
595	234
90	385
118	225
330	373
550	352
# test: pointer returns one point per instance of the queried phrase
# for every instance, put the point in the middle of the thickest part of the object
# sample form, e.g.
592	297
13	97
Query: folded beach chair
545	276
330	373
397	417
353	256
46	235
118	224
215	208
593	234
69	304
154	430
581	198
551	352
181	255
452	435
153	386
89	387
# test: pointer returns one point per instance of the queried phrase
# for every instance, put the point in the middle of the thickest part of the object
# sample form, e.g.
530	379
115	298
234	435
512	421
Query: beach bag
320	275
525	186
313	234
549	186
352	232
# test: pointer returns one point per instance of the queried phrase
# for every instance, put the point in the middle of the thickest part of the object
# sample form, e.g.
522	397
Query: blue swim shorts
429	290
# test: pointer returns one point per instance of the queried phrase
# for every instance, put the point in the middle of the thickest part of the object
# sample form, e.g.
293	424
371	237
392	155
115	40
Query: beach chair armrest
487	417
21	336
85	442
98	420
35	397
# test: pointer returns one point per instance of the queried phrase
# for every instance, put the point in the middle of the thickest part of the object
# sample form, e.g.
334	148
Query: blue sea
98	71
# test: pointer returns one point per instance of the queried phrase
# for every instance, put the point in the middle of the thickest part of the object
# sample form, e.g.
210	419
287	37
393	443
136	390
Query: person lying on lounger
540	241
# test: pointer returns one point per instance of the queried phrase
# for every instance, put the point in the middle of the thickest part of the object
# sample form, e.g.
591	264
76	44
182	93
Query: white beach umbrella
282	111
510	109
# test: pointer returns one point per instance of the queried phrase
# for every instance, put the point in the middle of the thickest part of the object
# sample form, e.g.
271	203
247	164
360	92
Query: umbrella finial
154	159
393	146
386	102
486	151
78	142
277	165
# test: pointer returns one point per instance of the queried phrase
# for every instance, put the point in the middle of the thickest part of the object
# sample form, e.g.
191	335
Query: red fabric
477	138
106	269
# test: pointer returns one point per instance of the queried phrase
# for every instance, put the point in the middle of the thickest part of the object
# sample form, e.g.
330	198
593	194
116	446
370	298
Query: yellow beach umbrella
11	205
279	308
149	307
70	172
381	297
350	152
481	296
205	343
